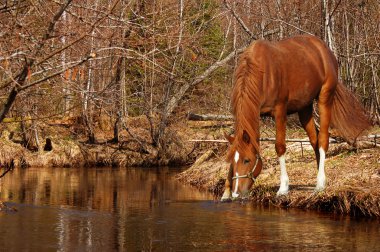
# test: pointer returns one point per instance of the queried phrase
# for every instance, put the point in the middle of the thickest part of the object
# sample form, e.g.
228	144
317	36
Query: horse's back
303	51
295	70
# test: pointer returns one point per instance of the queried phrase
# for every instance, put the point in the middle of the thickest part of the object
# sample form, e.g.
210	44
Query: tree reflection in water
147	209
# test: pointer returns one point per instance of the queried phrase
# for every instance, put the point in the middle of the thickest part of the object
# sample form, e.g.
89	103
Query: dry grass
208	172
69	153
70	149
11	154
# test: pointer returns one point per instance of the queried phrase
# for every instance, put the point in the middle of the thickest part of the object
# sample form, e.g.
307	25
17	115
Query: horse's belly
302	96
292	106
299	101
297	105
298	97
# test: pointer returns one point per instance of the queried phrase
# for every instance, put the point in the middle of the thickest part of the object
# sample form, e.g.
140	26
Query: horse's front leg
227	186
280	119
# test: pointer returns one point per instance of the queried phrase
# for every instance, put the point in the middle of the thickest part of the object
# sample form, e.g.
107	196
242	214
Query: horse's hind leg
307	122
227	186
324	104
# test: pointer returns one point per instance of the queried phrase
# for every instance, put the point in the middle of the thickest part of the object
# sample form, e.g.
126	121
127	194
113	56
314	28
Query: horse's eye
246	161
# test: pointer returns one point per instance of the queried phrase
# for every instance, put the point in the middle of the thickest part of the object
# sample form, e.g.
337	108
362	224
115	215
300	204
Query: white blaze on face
236	156
234	193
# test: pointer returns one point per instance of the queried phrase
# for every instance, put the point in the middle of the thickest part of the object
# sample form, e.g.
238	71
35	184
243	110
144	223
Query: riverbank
67	153
353	178
69	147
353	175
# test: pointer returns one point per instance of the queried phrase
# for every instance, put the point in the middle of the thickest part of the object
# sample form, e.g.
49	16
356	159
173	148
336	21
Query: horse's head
245	162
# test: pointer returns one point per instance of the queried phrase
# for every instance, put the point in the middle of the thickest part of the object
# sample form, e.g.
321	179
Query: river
145	209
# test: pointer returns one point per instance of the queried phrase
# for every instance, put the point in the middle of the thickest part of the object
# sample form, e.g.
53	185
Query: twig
10	167
88	57
138	140
240	21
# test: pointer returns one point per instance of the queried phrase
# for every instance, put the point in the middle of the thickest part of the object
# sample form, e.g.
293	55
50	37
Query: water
104	209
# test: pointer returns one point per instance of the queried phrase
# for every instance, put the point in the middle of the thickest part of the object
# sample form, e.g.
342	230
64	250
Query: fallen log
209	117
297	140
266	139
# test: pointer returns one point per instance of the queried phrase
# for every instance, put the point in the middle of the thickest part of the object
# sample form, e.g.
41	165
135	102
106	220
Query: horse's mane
246	102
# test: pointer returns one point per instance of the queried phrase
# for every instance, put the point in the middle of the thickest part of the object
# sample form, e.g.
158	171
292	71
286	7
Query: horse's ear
230	138
246	137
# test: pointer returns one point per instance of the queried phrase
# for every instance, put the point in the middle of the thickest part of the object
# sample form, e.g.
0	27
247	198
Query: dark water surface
104	209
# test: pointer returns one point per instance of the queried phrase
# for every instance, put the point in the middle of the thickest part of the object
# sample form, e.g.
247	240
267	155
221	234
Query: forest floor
353	177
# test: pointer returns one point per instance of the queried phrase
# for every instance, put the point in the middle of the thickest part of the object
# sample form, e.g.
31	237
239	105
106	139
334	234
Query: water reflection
146	209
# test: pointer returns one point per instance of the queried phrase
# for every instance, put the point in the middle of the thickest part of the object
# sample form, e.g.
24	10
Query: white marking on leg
321	177
284	179
236	157
235	194
226	194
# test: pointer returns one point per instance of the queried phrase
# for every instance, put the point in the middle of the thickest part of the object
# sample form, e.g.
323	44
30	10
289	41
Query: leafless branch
240	21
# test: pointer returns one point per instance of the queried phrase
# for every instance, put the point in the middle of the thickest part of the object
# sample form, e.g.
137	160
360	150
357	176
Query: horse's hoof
282	193
226	199
319	189
235	195
226	196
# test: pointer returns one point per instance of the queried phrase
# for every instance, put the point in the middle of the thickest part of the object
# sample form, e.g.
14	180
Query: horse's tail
348	116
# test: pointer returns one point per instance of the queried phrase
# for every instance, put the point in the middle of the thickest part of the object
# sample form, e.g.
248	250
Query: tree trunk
329	27
159	135
87	107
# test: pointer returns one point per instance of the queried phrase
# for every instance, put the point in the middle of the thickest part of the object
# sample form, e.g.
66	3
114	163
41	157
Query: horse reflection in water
278	79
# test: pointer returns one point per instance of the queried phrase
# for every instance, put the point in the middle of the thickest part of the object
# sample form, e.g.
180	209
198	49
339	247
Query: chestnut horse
277	79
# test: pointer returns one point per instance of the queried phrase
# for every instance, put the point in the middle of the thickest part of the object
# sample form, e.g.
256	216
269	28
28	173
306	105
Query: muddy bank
353	178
